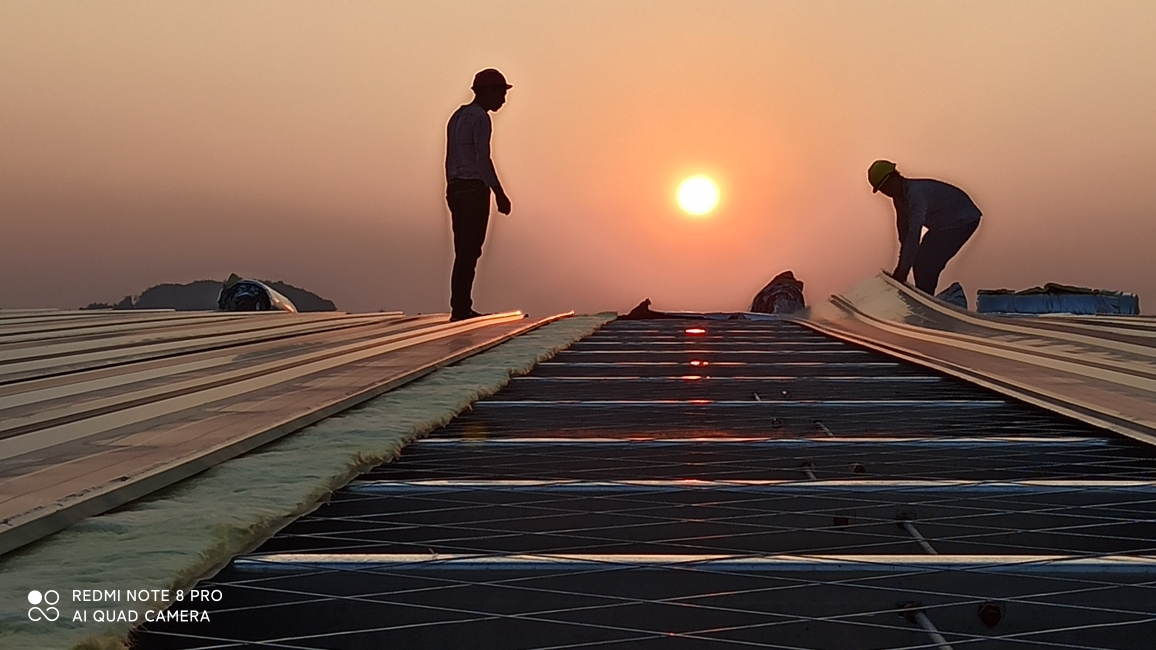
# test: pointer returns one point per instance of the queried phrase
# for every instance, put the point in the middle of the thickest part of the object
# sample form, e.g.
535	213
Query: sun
698	194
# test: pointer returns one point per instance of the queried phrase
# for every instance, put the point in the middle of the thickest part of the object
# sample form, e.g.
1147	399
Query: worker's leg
470	214
937	247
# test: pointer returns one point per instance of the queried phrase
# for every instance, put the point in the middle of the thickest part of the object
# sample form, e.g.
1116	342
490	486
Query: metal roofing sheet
94	416
1079	369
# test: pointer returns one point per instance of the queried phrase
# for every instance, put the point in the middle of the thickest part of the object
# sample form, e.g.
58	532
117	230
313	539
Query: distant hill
202	295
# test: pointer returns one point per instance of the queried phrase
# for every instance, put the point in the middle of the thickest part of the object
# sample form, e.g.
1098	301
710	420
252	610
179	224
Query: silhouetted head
490	89
885	178
892	185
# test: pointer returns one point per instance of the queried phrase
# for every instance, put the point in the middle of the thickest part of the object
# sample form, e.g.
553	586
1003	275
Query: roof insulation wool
188	531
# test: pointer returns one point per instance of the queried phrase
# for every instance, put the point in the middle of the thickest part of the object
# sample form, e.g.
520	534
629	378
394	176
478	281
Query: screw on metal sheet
786	394
903	520
914	613
757	398
858	469
776	423
990	614
809	470
818	424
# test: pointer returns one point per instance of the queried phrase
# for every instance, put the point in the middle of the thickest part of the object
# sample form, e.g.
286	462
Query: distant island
202	295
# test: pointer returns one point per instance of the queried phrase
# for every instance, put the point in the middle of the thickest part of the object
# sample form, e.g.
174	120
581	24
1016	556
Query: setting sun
698	195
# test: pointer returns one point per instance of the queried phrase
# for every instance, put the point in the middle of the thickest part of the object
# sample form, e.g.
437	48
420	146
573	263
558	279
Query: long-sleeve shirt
468	146
932	204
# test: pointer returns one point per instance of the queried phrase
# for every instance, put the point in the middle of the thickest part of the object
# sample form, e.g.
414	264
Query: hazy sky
147	142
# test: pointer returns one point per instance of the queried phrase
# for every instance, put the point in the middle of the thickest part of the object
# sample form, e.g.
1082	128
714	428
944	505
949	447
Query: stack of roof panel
100	407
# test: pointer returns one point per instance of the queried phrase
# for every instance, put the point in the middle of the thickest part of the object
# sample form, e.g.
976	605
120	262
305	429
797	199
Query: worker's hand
503	201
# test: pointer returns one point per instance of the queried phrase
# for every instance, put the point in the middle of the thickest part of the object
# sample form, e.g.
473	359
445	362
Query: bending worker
470	177
947	213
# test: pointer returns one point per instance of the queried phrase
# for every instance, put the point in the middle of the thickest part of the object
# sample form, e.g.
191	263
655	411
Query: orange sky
167	142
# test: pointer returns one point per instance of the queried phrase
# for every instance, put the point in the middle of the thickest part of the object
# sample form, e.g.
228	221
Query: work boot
470	314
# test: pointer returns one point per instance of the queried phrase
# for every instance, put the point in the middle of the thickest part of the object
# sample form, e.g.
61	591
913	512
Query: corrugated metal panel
98	408
1102	373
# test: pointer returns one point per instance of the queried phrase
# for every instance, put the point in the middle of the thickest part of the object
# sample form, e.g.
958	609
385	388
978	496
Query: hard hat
878	172
488	78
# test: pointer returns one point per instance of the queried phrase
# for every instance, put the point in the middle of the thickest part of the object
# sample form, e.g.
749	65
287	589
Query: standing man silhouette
470	177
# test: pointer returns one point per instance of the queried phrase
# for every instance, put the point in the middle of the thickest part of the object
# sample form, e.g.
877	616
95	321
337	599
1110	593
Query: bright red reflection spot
691	377
696	331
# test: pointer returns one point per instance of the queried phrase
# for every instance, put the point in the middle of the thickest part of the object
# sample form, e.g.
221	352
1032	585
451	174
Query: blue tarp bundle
1057	299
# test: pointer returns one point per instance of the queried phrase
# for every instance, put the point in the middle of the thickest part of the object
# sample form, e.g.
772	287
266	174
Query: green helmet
878	172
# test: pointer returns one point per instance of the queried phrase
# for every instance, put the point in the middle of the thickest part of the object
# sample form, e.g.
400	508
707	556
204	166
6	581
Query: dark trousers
469	203
937	247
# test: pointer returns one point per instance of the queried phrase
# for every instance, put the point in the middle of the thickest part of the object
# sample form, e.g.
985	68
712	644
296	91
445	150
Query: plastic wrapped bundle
251	295
1057	299
782	295
954	295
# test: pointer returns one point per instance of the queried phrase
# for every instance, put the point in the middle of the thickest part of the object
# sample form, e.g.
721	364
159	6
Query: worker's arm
482	133
910	230
502	200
